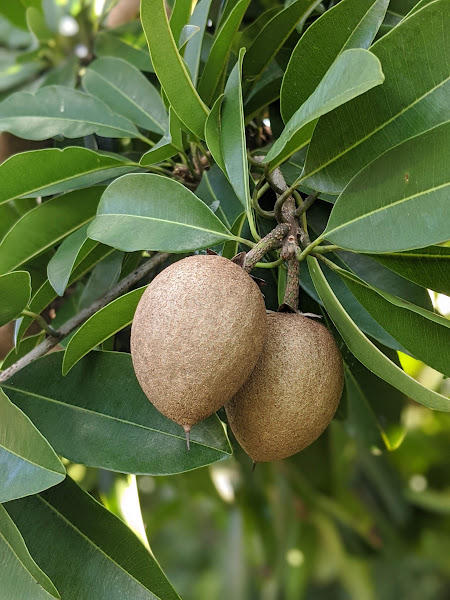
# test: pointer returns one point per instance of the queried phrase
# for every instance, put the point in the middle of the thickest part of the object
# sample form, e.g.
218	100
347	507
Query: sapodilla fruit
293	392
197	333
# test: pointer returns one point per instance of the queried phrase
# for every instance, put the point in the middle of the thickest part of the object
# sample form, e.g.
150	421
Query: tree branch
77	320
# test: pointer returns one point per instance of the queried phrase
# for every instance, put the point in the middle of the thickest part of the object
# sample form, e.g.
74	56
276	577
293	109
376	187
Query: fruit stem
187	429
291	294
270	242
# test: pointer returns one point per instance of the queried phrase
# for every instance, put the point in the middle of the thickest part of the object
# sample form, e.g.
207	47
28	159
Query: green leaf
366	352
193	49
374	408
15	292
417	78
62	263
103	277
215	191
105	323
87	551
349	24
428	267
230	249
45	294
180	17
151	212
109	45
37	25
28	464
99	416
399	201
20	576
57	110
169	145
170	69
273	35
52	171
424	333
232	135
362	319
213	133
49	222
25	346
218	56
353	72
127	92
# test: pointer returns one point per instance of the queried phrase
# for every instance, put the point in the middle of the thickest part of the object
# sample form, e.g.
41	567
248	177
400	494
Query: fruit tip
187	429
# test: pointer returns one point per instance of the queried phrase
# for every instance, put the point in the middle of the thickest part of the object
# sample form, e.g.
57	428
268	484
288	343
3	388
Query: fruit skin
293	392
197	333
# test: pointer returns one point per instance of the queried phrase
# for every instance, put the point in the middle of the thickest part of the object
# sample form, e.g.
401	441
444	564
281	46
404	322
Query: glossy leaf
103	559
170	69
353	72
230	249
273	35
52	171
374	408
213	133
139	212
20	576
127	92
99	416
101	326
412	100
57	110
193	49
45	294
62	263
28	464
15	292
25	346
169	145
424	333
232	135
220	52
349	24
108	45
362	319
366	352
429	267
407	185
50	222
102	278
215	191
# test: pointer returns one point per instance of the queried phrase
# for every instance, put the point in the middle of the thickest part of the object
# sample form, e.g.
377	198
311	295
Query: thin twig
306	204
84	315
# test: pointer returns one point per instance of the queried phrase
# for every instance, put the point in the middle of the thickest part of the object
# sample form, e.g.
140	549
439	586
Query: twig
272	241
84	315
306	204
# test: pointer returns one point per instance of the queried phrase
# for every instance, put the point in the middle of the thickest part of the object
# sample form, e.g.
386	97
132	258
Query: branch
84	315
270	242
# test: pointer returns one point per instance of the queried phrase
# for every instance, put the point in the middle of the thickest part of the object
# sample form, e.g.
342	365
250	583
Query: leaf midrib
129	99
92	543
386	207
225	235
87	410
118	164
376	130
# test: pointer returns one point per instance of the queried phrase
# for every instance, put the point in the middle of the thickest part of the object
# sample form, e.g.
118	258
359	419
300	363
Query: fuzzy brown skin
196	336
293	392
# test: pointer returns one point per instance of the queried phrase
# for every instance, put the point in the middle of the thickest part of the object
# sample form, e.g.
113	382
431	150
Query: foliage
176	133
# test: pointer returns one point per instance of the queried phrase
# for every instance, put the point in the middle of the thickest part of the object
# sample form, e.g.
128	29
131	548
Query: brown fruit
197	333
293	392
